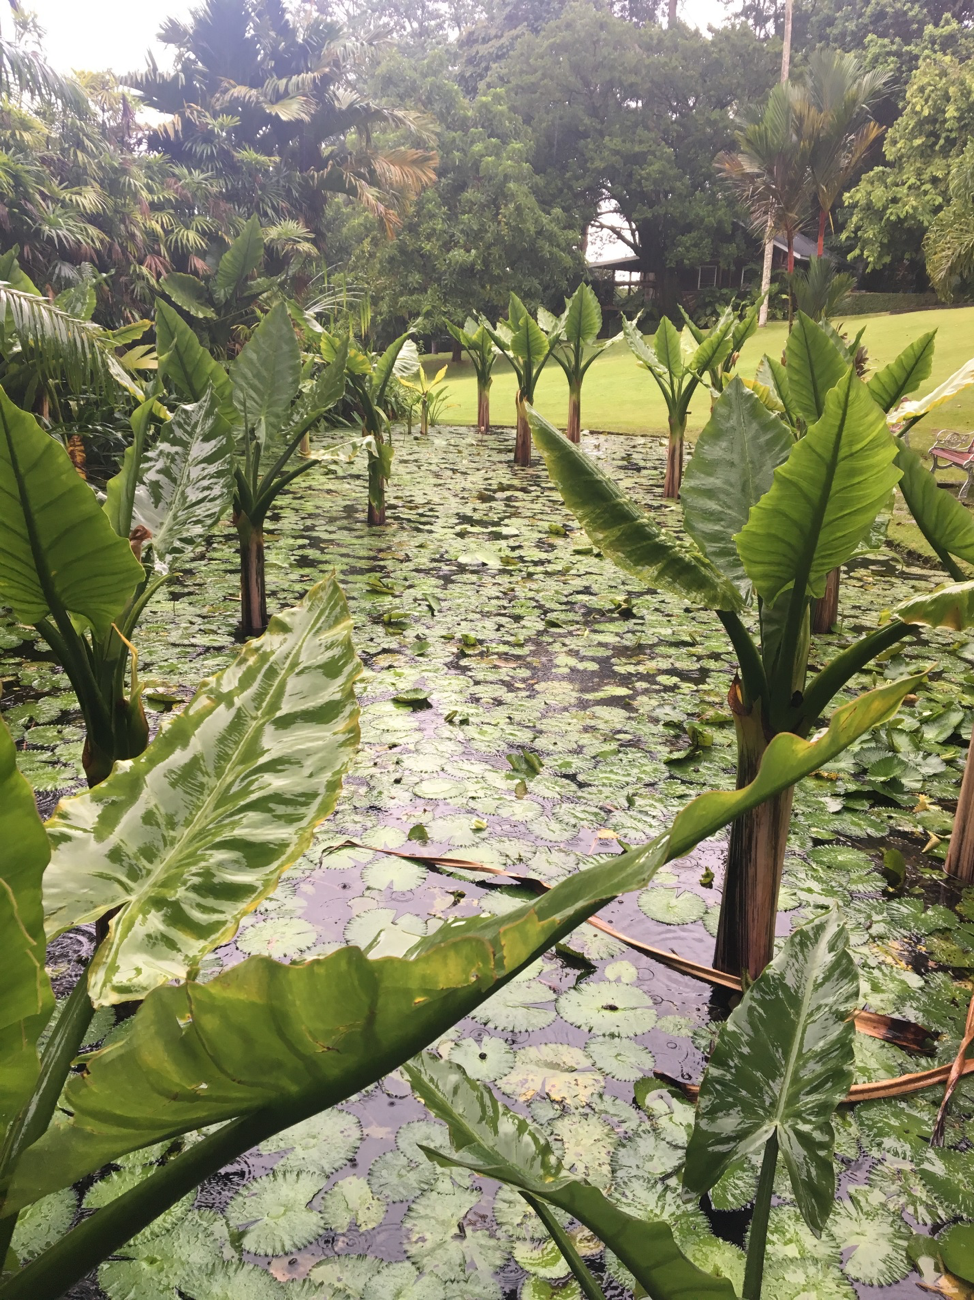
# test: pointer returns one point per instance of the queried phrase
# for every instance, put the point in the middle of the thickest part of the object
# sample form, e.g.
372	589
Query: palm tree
834	104
254	85
770	169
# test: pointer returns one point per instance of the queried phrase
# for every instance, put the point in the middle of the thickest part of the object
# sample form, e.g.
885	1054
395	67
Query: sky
115	34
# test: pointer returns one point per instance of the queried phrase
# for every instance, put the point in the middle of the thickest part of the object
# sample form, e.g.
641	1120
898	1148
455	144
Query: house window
707	277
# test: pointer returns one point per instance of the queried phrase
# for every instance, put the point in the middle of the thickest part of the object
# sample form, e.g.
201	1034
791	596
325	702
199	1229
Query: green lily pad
671	907
621	1058
281	938
957	1250
43	1224
561	1072
273	1213
878	1235
487	1060
351	1201
518	1006
320	1145
607	1008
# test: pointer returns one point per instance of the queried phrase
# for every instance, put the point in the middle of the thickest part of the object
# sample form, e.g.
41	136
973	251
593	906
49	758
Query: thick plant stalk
483	407
755	859
424	416
304	446
674	458
757	1244
376	515
253	592
960	857
573	431
825	612
522	438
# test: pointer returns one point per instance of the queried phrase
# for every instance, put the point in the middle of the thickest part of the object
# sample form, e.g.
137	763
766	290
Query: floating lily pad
486	1060
605	1007
621	1058
273	1213
671	907
560	1072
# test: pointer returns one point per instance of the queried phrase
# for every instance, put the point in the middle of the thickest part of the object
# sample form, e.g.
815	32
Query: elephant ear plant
769	517
72	568
677	377
525	344
721	369
573	339
267	413
479	347
815	356
782	1064
369	386
166	856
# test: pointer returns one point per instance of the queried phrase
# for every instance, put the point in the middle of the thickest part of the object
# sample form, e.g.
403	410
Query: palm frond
58	345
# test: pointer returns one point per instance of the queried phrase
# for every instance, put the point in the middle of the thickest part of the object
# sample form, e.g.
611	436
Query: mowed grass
620	397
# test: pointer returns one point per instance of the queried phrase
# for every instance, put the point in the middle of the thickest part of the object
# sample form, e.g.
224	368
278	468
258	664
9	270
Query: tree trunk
670	13
786	40
823	217
573	431
76	451
456	356
960	857
522	438
483	409
424	417
674	460
766	275
755	859
825	611
253	593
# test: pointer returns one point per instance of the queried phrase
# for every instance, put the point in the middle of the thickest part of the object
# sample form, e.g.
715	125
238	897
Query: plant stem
32	1122
757	1244
560	1237
82	1249
522	437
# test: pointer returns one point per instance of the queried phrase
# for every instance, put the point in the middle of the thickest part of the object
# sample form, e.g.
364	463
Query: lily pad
273	1213
560	1072
671	907
607	1008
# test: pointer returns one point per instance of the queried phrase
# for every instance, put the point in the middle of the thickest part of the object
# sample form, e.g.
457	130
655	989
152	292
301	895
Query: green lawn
620	397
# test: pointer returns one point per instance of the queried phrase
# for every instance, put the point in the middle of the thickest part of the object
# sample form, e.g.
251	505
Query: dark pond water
482	593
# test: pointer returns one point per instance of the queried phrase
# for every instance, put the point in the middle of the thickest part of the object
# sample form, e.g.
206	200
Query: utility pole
769	238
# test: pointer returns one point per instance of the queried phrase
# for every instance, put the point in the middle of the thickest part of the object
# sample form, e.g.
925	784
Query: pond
525	706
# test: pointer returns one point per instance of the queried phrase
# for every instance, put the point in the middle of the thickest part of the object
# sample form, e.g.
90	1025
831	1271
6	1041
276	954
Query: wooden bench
952	450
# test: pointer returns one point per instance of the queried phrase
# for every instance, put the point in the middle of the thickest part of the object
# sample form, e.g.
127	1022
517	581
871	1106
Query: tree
770	170
260	92
949	245
893	206
834	102
630	118
483	231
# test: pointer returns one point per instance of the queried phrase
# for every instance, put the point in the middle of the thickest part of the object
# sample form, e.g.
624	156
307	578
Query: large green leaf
716	346
910	412
188	292
186	481
27	999
58	552
239	262
666	345
120	490
530	346
583	316
187	363
815	366
905	373
950	606
257	1035
824	497
732	467
944	521
496	1143
624	532
775	376
782	1063
193	833
385	366
266	375
646	356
